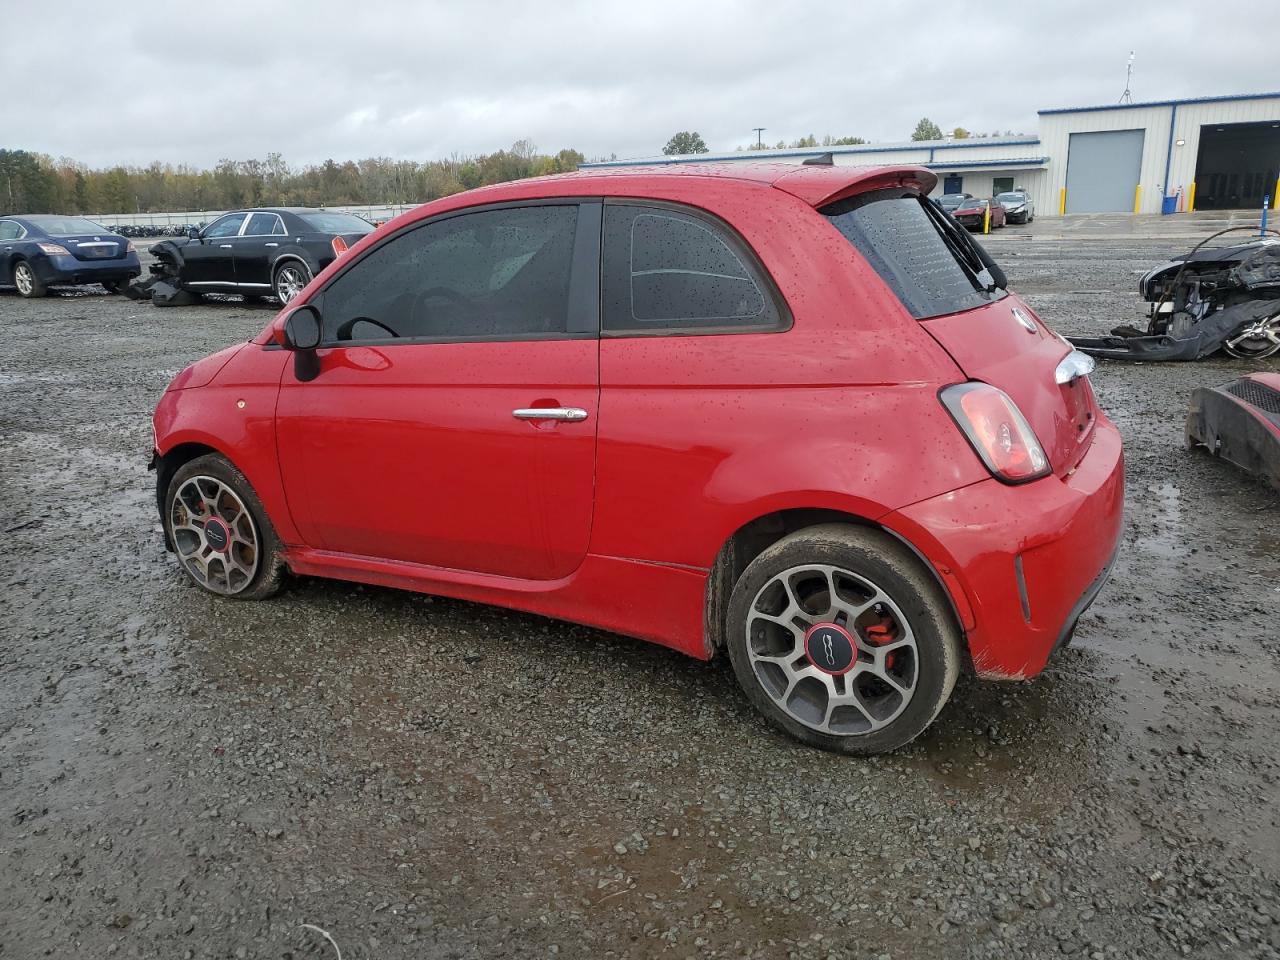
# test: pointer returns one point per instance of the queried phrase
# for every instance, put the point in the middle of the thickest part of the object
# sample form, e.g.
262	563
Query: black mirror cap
193	233
302	328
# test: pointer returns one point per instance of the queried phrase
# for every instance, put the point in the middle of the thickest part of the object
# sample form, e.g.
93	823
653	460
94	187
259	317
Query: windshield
336	222
949	201
926	259
67	226
1012	197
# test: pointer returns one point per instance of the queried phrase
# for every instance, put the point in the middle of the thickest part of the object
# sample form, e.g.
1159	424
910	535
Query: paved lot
188	777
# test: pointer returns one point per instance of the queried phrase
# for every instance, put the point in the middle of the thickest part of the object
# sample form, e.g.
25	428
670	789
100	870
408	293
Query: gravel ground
189	777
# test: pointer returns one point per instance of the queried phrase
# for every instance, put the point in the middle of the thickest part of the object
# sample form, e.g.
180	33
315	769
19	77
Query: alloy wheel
1256	341
832	650
24	279
290	282
214	535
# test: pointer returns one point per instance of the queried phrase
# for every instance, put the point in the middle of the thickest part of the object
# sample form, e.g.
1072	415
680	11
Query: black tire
887	563
282	276
268	574
115	286
25	279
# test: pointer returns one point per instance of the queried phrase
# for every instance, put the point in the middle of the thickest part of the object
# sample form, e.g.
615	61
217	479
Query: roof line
1162	103
765	155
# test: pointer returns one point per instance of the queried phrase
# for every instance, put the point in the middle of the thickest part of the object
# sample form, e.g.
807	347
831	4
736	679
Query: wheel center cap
217	534
830	648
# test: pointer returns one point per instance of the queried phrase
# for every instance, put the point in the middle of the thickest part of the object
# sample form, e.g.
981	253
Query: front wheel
291	277
220	532
25	279
841	639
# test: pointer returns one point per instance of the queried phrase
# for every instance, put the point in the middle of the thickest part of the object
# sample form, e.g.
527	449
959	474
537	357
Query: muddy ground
189	777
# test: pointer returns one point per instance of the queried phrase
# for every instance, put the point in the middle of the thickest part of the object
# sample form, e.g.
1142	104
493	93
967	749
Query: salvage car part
1212	298
564	396
1239	422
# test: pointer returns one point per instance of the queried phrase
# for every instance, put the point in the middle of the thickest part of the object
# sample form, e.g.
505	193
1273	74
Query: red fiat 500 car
786	412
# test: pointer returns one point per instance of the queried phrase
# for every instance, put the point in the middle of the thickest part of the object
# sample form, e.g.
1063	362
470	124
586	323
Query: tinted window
262	225
904	244
336	223
228	226
67	226
9	230
496	273
665	270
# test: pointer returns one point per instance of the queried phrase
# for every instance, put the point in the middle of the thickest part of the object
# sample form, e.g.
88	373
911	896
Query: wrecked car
1240	422
272	251
1213	298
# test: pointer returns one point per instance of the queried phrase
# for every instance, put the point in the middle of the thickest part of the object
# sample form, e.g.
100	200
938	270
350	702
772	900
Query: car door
11	232
453	419
254	251
210	260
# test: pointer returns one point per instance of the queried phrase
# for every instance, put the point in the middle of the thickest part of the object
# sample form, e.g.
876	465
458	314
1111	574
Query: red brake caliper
878	634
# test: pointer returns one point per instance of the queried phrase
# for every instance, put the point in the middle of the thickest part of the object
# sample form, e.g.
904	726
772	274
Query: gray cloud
194	83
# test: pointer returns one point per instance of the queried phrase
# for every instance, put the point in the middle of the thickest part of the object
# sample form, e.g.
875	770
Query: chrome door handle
571	414
225	246
272	244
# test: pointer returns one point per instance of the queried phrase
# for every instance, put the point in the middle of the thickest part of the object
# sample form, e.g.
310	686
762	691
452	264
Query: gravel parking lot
190	777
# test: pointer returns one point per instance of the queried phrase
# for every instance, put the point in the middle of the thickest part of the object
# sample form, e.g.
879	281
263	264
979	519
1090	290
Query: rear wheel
290	279
840	638
114	286
220	532
25	279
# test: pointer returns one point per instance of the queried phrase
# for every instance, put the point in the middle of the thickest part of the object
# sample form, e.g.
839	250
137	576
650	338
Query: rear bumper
50	270
1028	560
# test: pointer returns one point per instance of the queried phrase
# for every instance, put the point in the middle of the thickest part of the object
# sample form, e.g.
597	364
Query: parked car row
1014	206
153	230
260	252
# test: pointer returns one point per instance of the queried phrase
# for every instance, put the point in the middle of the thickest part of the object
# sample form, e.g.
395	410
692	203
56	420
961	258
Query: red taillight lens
339	246
54	249
130	248
998	431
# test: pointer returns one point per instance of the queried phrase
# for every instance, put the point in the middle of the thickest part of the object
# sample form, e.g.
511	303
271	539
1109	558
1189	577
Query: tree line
36	183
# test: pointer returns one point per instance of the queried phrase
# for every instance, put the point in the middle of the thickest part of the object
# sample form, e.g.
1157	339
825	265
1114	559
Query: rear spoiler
822	185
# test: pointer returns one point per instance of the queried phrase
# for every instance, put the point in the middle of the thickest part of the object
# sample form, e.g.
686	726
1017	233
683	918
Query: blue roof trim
961	165
1163	103
921	145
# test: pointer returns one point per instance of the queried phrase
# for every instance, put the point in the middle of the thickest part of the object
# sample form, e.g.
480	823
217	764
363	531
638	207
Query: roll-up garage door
1103	170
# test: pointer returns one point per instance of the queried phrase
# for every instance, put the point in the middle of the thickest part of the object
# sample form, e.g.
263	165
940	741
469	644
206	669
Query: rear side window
666	271
931	273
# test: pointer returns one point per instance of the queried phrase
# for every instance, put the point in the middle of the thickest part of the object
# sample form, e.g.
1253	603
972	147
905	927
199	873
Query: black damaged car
266	251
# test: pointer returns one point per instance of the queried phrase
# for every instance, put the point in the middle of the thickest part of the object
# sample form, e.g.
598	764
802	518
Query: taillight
997	430
130	248
54	249
339	246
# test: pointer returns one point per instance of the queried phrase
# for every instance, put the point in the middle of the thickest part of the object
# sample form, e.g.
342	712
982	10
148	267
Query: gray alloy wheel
832	649
214	535
291	278
24	278
841	638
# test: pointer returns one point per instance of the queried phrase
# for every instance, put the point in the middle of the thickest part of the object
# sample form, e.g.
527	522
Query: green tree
685	142
830	141
926	129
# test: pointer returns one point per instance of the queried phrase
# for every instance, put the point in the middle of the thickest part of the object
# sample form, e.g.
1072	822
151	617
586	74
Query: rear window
336	223
67	226
930	264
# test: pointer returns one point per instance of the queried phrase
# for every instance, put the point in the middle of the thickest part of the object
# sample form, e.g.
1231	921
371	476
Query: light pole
759	142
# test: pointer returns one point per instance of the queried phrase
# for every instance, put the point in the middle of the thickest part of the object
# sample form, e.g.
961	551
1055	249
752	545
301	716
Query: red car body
972	212
402	465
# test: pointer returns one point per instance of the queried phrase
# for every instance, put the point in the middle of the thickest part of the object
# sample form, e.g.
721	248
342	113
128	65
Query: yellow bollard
1275	197
986	219
1191	198
1062	202
1137	198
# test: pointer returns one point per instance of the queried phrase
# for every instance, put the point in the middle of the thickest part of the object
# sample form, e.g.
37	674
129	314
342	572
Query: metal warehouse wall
1157	153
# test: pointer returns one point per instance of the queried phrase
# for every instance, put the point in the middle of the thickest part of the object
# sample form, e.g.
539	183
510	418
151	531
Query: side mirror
193	233
302	336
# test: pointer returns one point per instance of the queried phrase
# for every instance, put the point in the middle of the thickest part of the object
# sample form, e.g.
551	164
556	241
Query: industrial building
1206	153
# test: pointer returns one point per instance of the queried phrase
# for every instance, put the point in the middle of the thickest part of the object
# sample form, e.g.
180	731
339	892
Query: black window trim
750	259
22	230
584	275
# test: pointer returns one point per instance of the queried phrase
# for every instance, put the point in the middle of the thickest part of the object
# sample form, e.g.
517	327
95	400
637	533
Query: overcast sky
108	83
